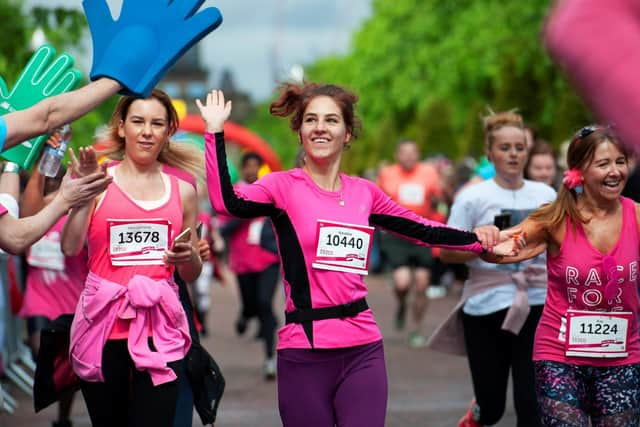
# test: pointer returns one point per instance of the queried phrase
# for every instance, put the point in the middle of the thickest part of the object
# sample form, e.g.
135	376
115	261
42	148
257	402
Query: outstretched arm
53	112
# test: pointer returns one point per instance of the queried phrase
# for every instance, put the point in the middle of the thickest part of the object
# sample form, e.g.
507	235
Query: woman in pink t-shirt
330	358
587	349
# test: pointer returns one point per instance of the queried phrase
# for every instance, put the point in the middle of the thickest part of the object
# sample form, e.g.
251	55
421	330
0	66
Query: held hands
501	243
215	111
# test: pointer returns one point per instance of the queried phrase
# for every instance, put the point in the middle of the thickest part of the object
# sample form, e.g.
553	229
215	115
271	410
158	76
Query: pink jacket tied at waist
149	304
449	336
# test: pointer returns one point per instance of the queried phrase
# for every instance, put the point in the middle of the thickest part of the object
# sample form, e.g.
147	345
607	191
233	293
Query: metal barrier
17	363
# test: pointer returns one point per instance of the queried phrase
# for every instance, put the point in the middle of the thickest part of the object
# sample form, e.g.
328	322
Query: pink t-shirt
54	281
577	281
298	208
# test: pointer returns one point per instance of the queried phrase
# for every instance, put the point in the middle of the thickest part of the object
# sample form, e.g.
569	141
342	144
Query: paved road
426	389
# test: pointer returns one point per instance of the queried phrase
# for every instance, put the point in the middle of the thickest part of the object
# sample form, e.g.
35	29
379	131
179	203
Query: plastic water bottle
52	157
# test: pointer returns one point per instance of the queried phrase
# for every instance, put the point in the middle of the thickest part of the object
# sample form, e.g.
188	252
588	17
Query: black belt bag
350	309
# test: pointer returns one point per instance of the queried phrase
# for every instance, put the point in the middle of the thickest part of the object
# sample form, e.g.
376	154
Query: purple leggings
345	387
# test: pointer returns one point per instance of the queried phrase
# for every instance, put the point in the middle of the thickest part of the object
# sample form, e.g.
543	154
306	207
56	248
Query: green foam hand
44	75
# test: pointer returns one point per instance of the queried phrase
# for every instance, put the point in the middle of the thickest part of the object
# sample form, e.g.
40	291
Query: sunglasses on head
588	130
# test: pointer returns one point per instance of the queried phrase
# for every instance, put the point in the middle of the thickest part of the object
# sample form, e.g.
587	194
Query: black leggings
127	397
257	290
491	352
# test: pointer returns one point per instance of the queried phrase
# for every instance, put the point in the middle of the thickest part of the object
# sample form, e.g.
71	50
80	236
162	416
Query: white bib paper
138	242
343	247
597	334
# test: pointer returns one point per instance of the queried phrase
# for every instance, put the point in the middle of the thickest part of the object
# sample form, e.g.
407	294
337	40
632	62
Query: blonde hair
496	121
179	155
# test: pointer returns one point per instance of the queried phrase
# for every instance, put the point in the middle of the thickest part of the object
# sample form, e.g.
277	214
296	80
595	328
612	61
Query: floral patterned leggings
571	395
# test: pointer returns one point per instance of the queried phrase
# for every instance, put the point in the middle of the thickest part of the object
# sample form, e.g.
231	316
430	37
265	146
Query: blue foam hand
146	40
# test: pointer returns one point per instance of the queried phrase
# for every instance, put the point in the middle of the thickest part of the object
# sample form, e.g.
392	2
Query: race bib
343	247
411	194
255	231
47	253
597	334
138	242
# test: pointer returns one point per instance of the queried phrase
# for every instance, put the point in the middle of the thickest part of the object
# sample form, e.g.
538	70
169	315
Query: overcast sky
260	40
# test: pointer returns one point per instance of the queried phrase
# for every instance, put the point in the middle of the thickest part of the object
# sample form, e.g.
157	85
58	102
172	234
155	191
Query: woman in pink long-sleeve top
331	366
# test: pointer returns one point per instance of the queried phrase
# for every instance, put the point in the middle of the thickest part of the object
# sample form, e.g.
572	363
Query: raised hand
215	111
45	75
86	165
146	40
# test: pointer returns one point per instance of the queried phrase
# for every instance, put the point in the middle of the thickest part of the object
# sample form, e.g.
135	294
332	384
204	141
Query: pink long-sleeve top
597	43
296	206
146	302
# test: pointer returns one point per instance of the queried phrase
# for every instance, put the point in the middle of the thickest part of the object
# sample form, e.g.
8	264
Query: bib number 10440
343	247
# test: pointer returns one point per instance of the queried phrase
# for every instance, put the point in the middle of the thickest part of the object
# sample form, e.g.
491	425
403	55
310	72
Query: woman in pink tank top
130	333
587	349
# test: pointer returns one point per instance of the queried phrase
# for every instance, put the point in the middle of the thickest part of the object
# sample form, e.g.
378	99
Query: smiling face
145	130
606	175
508	151
323	132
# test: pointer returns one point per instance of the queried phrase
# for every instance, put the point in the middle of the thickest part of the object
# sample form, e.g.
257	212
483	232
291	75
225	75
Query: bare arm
74	233
33	200
53	112
186	256
16	235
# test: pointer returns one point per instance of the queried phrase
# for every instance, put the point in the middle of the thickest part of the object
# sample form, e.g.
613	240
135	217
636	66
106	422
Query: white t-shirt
478	205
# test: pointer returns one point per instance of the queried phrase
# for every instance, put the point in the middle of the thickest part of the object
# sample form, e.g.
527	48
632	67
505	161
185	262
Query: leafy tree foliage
429	69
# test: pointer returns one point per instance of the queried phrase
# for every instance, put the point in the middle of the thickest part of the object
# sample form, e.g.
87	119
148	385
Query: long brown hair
579	155
294	98
180	155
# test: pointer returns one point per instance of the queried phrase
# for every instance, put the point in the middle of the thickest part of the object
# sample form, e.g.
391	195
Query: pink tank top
54	281
118	205
577	281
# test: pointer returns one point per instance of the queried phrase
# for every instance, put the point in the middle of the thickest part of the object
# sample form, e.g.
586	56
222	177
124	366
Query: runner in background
253	258
414	185
495	321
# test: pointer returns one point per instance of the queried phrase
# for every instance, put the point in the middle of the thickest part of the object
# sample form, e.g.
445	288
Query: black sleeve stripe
428	234
236	206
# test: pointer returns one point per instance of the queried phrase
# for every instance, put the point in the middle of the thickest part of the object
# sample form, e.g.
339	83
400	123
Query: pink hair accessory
573	180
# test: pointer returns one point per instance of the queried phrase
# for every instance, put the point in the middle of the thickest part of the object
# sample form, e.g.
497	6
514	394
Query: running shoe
401	314
467	420
269	369
417	340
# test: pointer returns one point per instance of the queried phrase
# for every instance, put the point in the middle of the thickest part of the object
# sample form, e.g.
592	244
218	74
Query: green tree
428	70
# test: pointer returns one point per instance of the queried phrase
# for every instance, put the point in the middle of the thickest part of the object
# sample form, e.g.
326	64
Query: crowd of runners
120	251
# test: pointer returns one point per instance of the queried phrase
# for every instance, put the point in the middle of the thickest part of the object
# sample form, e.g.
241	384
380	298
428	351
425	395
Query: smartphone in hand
183	237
